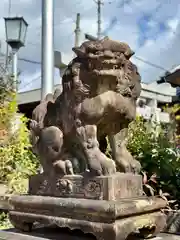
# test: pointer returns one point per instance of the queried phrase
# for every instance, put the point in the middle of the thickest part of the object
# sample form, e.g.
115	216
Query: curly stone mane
95	60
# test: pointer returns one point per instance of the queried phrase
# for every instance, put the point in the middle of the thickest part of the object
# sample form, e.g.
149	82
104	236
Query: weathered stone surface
89	189
112	187
102	218
4	202
98	99
56	234
87	209
173	222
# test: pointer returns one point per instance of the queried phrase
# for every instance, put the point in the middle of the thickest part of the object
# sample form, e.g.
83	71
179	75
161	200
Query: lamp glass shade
16	29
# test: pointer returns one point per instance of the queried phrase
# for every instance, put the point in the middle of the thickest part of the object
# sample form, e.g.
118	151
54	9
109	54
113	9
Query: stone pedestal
112	187
55	234
109	207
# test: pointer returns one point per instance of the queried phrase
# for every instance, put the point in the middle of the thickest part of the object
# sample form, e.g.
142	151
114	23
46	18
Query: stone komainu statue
99	92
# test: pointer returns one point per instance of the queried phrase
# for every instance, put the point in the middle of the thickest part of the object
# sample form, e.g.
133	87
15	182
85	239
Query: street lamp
16	29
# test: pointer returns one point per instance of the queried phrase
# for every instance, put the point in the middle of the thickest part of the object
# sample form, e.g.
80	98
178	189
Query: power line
137	57
92	38
27	84
150	63
29	61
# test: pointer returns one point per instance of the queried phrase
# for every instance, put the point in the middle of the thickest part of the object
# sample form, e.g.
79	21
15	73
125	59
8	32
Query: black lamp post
16	29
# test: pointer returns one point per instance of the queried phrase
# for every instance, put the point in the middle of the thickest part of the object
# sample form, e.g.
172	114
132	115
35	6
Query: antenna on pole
99	3
99	19
77	30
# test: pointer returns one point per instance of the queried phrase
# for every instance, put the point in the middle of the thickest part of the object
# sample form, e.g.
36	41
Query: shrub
155	148
17	161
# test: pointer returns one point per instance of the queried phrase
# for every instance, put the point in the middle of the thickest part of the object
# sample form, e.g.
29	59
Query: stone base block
173	223
114	220
111	187
47	234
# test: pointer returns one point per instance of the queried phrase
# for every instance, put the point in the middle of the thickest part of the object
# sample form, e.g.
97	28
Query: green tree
17	162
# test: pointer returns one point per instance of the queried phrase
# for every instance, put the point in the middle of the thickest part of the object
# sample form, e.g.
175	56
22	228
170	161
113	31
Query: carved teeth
112	72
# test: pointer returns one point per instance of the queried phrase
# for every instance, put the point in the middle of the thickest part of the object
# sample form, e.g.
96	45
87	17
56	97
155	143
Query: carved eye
131	86
98	52
55	148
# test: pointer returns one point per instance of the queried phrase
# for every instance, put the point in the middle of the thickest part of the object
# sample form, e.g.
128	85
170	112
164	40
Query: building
173	79
153	96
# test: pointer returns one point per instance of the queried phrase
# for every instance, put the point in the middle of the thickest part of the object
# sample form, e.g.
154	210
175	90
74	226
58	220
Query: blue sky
151	28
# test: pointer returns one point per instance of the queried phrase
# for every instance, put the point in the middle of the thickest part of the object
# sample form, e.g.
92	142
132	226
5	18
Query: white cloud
173	23
162	50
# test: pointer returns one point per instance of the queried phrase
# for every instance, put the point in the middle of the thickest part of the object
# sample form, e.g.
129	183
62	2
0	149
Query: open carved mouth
107	72
124	92
106	66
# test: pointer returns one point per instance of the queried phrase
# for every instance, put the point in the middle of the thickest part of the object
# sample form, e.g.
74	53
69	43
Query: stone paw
69	167
123	166
100	164
95	168
135	166
108	167
60	167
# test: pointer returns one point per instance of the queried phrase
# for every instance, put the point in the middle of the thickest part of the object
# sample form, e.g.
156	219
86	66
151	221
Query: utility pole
99	3
7	46
47	51
77	30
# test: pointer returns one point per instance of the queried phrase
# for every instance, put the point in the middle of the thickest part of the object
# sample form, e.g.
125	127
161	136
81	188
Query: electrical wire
138	58
39	63
27	84
29	61
150	63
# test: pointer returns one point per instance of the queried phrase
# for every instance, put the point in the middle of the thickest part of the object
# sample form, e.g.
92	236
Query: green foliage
7	111
6	83
154	147
4	221
17	161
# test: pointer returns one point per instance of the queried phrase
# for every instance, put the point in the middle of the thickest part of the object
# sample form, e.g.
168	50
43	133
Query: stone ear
106	38
78	51
49	97
132	53
128	54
